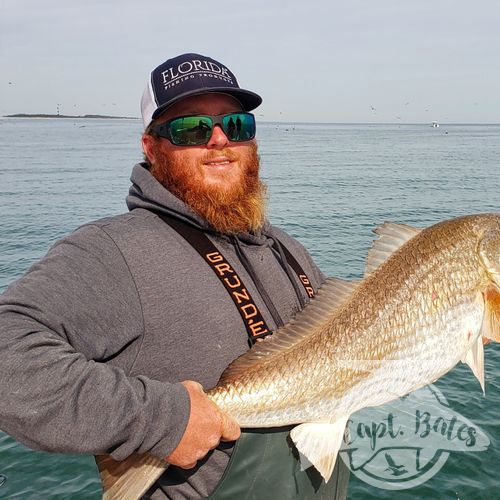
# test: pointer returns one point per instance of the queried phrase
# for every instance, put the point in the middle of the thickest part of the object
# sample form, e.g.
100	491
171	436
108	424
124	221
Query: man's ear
147	147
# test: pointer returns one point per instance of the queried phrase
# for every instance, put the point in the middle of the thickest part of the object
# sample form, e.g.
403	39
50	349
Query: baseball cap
186	75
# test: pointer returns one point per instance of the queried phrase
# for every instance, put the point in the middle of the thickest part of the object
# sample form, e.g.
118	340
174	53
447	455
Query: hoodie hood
146	192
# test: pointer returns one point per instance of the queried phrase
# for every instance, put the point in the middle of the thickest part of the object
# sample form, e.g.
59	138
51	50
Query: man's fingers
188	466
230	429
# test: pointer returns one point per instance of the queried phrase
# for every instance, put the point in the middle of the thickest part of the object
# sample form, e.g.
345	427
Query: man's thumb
230	428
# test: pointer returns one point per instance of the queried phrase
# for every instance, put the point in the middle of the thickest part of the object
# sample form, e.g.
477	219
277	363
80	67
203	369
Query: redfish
427	300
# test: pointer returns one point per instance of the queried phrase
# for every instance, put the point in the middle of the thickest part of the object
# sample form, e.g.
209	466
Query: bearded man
109	340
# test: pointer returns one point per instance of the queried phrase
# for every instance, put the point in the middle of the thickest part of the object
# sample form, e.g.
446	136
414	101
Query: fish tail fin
130	478
319	444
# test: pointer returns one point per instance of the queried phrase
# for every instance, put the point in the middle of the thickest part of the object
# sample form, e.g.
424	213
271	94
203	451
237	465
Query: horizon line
91	116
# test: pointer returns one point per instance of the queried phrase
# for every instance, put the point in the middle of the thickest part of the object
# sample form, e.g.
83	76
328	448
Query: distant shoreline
41	115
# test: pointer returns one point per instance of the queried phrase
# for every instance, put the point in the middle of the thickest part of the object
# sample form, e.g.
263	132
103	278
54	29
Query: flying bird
395	469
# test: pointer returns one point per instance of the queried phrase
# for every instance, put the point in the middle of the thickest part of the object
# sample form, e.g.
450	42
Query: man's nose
218	139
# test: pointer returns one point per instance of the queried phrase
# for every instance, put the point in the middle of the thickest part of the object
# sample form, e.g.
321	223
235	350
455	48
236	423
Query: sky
350	61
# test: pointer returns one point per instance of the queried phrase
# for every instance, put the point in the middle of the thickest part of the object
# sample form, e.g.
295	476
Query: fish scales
422	306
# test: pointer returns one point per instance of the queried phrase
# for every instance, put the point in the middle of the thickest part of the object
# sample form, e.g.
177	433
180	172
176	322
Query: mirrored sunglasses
194	130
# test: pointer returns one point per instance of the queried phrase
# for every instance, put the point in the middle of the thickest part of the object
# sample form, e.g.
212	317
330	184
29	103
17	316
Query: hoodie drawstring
277	249
253	275
288	270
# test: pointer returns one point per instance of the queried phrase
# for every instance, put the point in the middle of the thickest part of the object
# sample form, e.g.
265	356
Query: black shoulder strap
253	320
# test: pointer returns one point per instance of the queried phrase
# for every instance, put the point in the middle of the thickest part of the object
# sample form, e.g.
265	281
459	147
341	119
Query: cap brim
248	99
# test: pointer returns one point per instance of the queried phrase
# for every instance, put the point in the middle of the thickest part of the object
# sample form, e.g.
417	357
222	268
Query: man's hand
206	427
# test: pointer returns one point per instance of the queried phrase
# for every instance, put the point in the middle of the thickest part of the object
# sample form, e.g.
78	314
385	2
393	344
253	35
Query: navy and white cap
186	75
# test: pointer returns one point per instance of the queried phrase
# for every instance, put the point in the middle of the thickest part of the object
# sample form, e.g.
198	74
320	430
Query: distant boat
434	124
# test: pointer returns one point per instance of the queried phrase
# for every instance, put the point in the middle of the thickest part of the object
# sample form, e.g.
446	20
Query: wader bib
264	463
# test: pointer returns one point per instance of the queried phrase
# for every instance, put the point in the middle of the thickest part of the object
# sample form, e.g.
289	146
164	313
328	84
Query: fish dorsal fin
391	237
329	297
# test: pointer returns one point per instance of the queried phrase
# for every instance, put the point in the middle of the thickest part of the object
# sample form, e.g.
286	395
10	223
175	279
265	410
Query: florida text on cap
186	75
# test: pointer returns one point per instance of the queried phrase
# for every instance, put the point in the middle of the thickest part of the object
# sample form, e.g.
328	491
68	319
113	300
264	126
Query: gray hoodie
96	336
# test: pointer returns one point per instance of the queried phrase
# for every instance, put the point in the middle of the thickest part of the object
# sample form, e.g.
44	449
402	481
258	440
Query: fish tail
128	479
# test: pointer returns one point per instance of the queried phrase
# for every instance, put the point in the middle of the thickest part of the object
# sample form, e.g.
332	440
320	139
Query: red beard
229	209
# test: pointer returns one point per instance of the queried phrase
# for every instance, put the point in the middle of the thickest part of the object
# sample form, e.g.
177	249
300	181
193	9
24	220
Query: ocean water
330	185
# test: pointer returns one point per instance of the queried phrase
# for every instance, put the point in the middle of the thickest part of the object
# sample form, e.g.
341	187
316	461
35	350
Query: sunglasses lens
239	126
191	130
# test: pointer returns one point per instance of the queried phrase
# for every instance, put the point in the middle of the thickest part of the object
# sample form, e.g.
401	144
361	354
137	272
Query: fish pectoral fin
490	327
391	237
319	444
474	357
489	255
